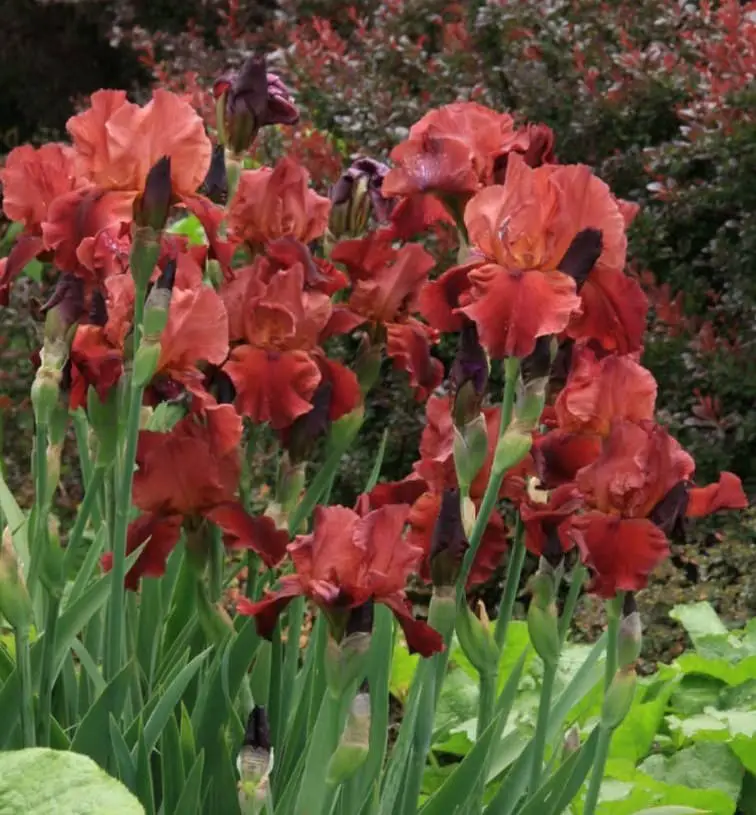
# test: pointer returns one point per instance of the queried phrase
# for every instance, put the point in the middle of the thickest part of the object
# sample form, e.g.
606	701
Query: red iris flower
280	364
385	287
599	390
639	488
186	475
541	234
32	179
451	150
117	143
548	523
277	203
435	473
347	561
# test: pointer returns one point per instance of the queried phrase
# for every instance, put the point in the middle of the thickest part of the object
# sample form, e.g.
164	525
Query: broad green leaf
39	781
704	766
457	704
671	811
191	227
695	693
730	671
698	619
164	417
634	738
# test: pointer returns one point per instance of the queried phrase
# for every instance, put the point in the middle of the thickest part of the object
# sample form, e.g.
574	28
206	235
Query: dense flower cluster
246	316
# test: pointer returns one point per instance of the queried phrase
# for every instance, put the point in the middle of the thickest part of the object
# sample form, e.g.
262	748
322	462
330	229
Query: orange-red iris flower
385	286
32	179
435	473
527	286
277	203
279	364
117	143
628	489
451	150
193	472
347	561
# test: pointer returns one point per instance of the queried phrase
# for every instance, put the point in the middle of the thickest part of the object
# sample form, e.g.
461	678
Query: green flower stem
491	495
47	679
542	725
23	663
514	571
486	701
429	678
578	578
605	732
115	643
39	511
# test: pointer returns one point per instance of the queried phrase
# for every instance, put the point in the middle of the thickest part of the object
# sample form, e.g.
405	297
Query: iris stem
542	725
123	503
605	732
23	665
514	572
38	549
491	495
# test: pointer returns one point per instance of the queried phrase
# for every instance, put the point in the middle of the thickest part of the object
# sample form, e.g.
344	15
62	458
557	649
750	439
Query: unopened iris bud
476	640
571	743
346	649
302	435
15	603
619	698
367	365
442	612
468	376
543	618
534	382
255	763
103	420
354	745
630	636
470	449
350	206
152	208
448	542
291	481
215	185
156	310
512	448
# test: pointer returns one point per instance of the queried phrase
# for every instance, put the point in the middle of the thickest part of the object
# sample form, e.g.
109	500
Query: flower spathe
348	560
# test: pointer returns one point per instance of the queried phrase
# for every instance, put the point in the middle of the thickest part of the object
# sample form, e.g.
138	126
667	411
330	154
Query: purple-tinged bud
354	195
630	636
151	210
571	743
449	542
303	434
669	513
468	376
215	185
581	256
247	100
347	646
255	762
